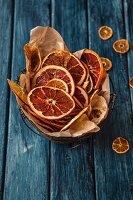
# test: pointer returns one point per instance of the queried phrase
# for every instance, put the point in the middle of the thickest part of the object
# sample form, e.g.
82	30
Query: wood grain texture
27	165
71	169
6	17
128	9
113	172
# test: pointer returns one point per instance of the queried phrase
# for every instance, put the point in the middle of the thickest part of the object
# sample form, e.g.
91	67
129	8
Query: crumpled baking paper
48	39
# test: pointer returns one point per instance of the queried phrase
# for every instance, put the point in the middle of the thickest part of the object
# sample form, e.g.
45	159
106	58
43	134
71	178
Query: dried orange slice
94	63
45	121
121	46
107	64
74	119
120	145
58	83
50	72
68	61
82	96
18	91
33	58
105	32
88	85
50	103
131	82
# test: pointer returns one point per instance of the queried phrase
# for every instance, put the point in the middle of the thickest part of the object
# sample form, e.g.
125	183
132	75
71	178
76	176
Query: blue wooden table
32	168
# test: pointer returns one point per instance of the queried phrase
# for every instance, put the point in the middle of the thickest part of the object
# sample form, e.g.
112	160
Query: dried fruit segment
58	83
81	96
53	124
107	64
94	63
51	72
33	58
74	119
105	32
68	61
18	91
88	85
50	103
120	145
121	46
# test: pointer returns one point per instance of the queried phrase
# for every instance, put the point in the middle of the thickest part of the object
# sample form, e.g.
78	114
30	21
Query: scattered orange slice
121	46
18	91
131	82
107	64
50	103
120	145
58	83
105	32
94	63
68	61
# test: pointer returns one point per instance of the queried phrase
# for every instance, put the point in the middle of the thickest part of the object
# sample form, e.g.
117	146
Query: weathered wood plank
113	172
27	165
128	9
6	19
71	169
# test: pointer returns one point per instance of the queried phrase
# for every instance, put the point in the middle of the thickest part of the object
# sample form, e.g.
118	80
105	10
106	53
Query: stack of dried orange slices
60	87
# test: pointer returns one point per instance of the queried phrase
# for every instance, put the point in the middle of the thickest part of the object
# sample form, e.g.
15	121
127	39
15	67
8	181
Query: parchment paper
48	39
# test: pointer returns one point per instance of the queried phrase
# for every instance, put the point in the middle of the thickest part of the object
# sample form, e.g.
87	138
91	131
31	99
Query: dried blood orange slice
121	46
50	72
77	103
88	85
120	145
18	91
50	103
68	61
107	64
131	82
81	95
94	63
105	32
58	83
45	121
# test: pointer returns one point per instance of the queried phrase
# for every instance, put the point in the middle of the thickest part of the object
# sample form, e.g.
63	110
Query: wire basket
75	141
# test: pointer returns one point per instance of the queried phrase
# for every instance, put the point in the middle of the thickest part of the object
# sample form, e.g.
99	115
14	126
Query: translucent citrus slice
94	63
88	85
58	83
74	119
81	95
105	32
121	46
131	82
120	145
33	58
37	117
18	91
50	103
50	72
107	64
68	61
